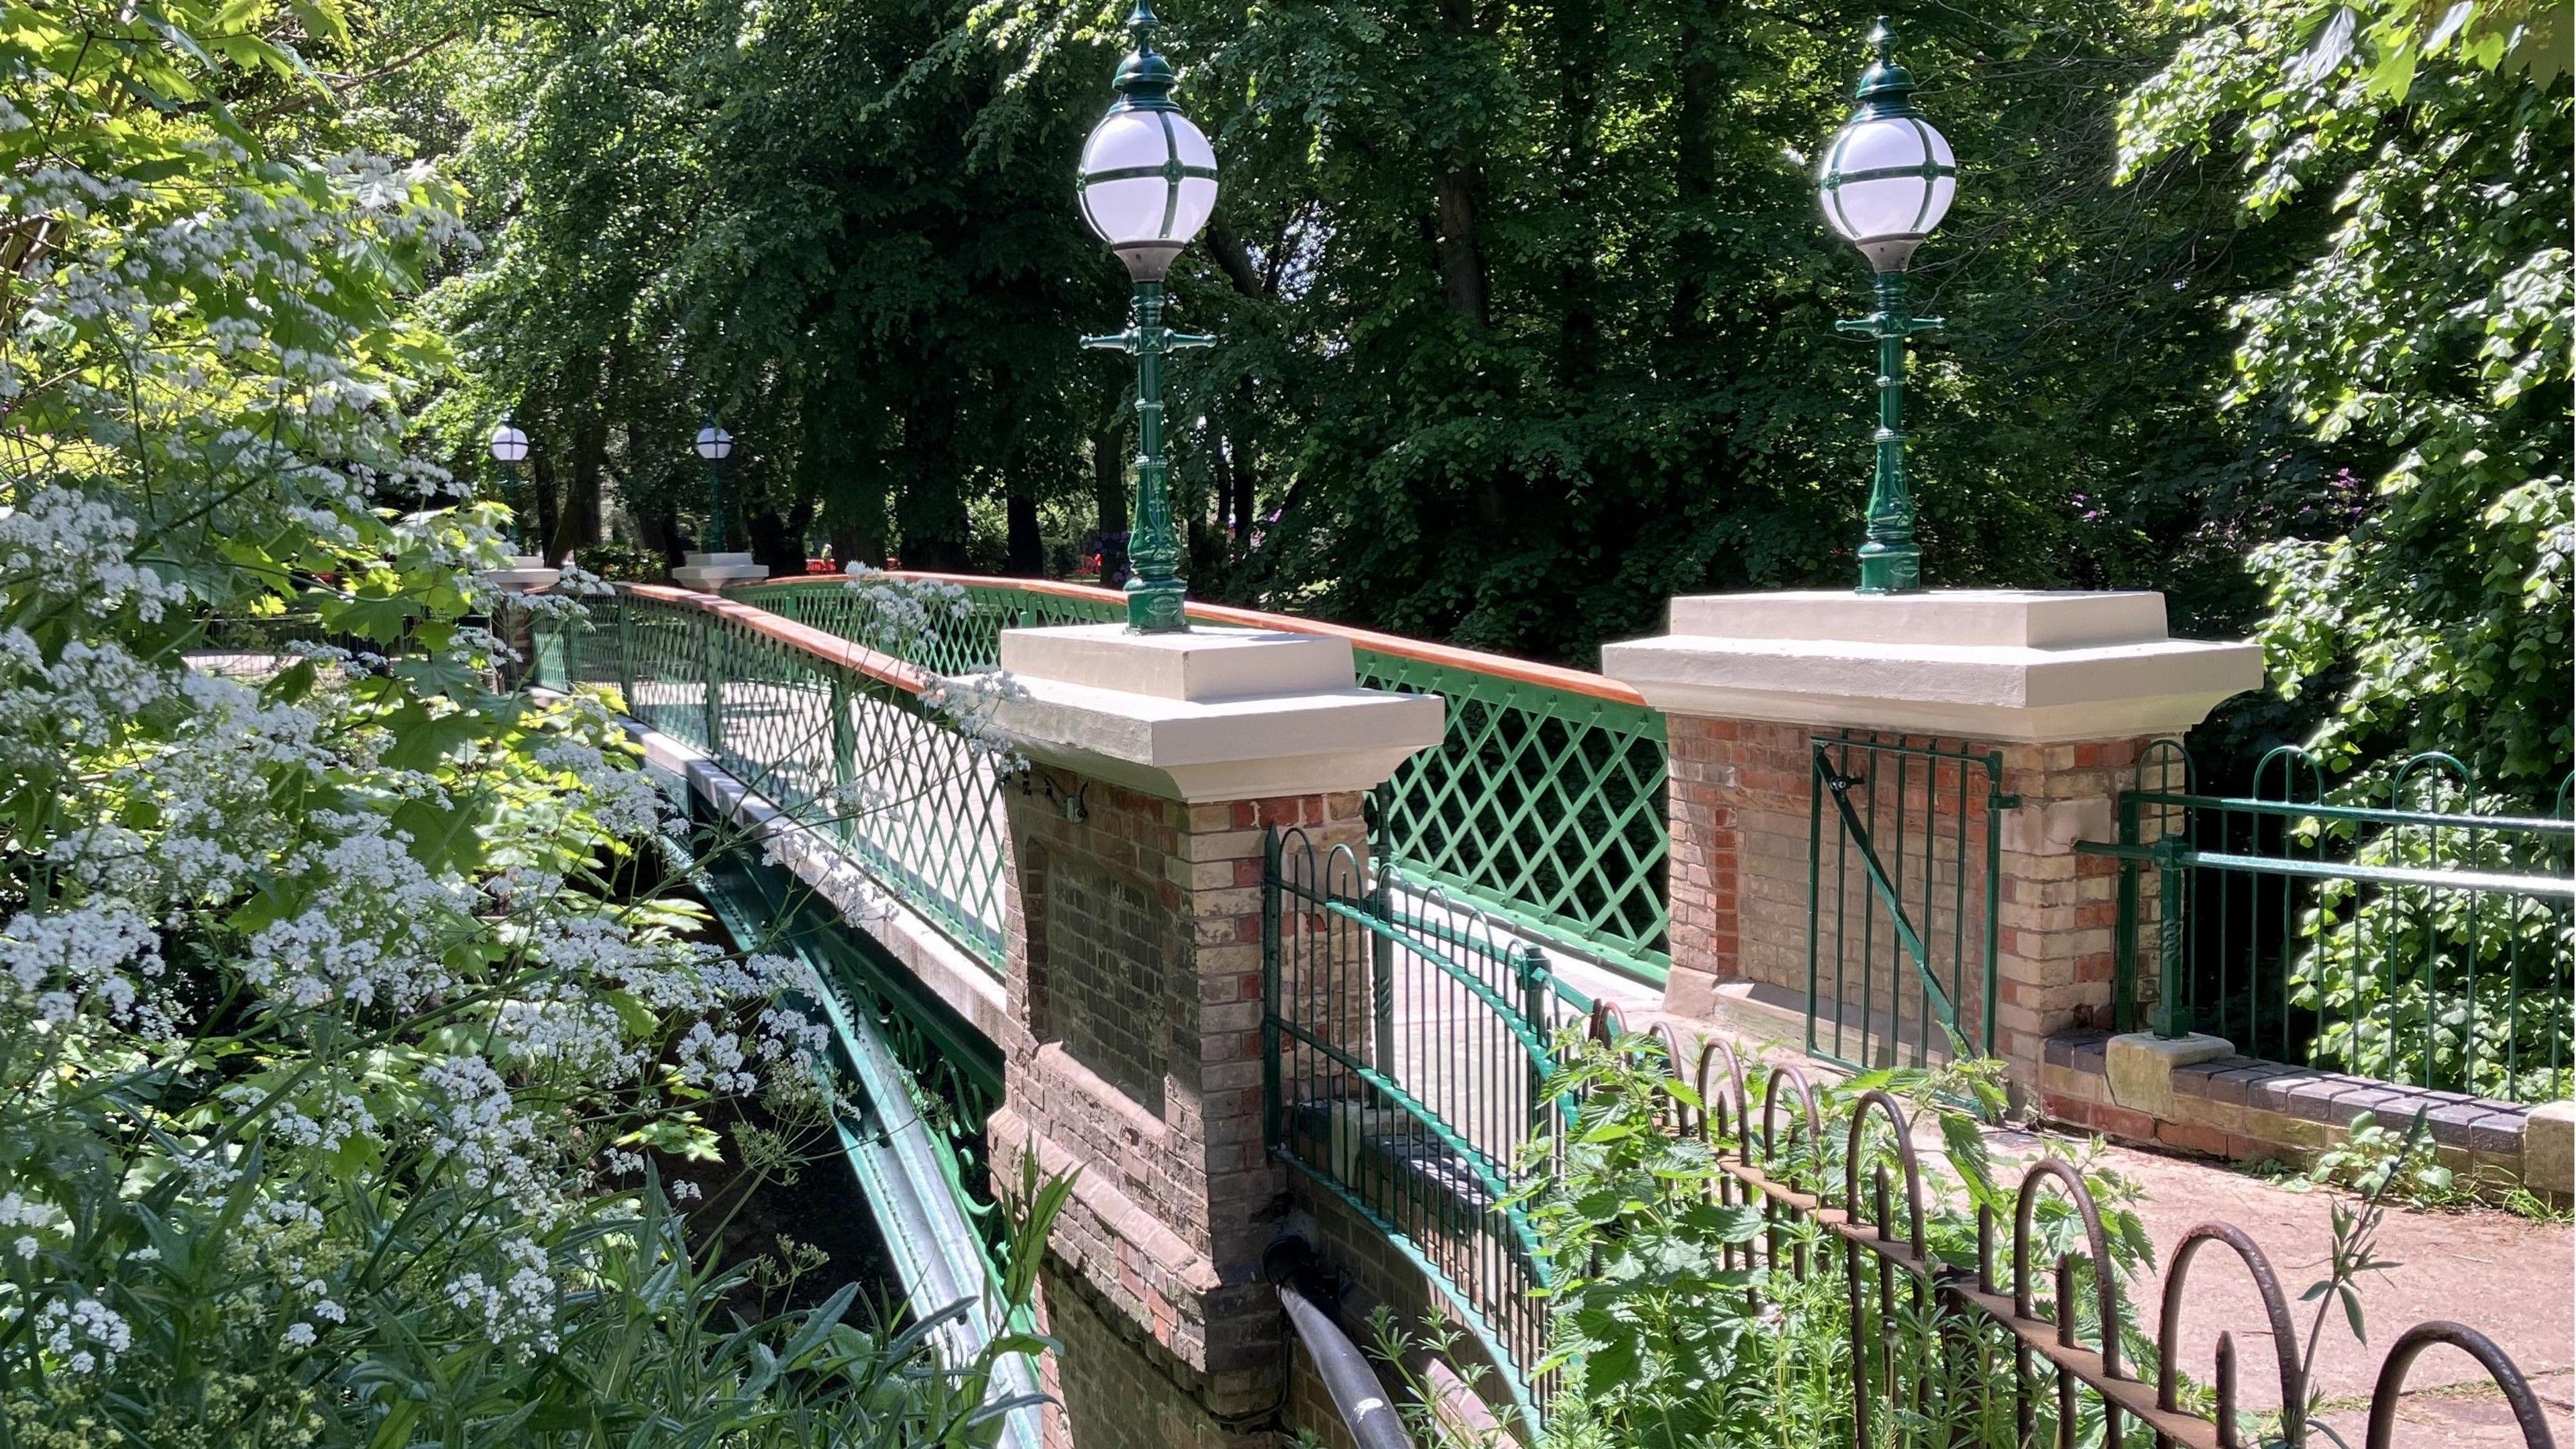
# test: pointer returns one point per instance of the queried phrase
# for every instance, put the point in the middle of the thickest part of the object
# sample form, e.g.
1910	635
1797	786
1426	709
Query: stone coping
2308	1094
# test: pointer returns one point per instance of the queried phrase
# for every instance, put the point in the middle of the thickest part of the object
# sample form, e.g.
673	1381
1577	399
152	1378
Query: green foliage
1669	1328
2425	336
339	996
2373	1160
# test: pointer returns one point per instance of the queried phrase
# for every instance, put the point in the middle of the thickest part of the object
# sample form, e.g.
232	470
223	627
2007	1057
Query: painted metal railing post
1529	963
711	670
845	758
2124	936
2173	1017
1997	802
1270	989
1816	773
626	653
1382	975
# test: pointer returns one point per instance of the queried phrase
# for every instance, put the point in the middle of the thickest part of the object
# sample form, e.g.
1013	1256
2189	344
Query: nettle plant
344	1022
1669	1329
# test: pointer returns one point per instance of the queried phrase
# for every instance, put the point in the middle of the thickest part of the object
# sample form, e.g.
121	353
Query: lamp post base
1157	607
1891	569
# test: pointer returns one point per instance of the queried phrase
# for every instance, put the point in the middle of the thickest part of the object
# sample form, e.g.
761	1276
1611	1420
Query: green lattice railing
1543	807
834	735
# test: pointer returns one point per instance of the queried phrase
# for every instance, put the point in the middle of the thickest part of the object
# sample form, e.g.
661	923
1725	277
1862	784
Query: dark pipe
1357	1394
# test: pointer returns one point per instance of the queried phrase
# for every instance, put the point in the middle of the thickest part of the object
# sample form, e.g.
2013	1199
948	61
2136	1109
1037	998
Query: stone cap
710	573
1208	715
2012	618
1202	665
2006	665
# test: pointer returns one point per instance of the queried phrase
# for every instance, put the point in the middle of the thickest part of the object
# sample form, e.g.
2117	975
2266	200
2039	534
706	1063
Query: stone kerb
2069	690
1133	1051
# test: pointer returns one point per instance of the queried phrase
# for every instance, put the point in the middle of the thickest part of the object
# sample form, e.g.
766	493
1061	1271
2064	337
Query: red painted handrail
910	678
1524	671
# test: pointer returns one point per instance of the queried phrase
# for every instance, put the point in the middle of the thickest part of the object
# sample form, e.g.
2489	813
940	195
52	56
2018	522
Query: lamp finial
1145	79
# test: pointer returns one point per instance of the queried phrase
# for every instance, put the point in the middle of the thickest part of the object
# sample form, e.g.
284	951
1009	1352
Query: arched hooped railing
2501	1370
2077	1371
2277	1324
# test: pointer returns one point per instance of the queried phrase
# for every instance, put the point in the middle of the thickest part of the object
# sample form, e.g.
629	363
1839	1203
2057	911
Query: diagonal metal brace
1839	786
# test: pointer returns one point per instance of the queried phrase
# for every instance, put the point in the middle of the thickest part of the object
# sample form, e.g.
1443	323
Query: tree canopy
1526	311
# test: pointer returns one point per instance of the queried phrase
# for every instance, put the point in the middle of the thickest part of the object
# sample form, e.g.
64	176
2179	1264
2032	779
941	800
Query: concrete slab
2140	1066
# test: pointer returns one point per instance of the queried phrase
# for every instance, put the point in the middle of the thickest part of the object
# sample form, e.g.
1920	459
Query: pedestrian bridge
1316	1016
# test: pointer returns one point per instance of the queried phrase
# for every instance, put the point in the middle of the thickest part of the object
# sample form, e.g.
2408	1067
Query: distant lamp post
1885	183
1147	184
712	570
509	447
715	445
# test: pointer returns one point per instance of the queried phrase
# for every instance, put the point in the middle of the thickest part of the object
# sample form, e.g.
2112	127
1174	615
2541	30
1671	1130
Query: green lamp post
1885	183
715	445
1147	184
509	447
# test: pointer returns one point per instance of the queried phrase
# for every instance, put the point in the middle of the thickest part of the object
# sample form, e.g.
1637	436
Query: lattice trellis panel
1544	806
836	748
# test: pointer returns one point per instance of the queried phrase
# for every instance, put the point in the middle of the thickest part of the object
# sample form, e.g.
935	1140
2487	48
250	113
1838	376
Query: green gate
1902	883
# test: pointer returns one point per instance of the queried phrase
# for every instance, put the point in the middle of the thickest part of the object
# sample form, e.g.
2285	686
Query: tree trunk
930	517
1462	258
1024	557
1462	261
1695	166
1109	497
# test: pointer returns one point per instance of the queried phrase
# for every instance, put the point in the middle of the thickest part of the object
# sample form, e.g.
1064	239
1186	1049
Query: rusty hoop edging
2500	1368
2285	1334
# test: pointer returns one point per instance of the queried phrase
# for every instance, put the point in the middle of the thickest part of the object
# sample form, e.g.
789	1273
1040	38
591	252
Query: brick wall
1133	1054
1744	817
1115	1388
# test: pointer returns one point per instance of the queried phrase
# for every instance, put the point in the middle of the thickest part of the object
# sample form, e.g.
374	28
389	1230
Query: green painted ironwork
954	1070
1901	905
1543	805
1405	1050
919	1083
2419	940
839	748
1890	560
1157	600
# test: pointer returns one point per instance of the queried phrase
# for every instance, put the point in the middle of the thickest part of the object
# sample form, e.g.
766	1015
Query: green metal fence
1544	804
1902	882
837	738
1405	1043
2410	938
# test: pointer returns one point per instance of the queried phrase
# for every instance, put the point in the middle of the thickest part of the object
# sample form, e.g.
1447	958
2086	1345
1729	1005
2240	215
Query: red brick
2193	1137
